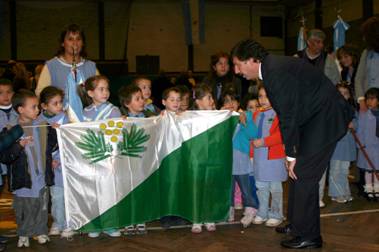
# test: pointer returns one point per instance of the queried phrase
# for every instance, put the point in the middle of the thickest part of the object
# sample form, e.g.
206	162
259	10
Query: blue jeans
276	209
243	182
338	179
254	191
57	207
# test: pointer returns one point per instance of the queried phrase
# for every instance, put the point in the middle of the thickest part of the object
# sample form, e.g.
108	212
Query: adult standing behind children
313	116
68	69
315	54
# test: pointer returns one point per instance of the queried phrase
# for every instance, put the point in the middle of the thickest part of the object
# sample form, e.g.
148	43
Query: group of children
258	152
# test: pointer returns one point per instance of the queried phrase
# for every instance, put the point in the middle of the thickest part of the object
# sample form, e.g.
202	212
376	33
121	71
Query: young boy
27	173
8	117
171	99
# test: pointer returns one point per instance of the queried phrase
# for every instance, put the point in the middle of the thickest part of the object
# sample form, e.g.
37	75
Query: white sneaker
273	222
67	233
258	220
54	231
23	241
141	229
248	217
112	233
210	227
231	214
42	239
321	204
93	234
196	228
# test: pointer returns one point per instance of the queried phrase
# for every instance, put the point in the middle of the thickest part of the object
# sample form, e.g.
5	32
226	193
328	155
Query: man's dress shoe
300	243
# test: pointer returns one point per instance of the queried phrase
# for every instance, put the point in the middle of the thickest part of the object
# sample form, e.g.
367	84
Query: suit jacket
312	113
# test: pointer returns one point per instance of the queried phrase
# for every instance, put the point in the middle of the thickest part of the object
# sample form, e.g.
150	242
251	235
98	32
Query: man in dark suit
313	117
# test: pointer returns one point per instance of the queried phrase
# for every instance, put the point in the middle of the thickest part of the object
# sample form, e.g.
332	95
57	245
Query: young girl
97	92
203	100
368	133
344	153
242	166
145	85
252	104
51	102
132	105
96	99
269	166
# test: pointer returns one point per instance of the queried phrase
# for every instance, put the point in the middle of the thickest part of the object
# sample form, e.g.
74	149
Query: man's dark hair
247	49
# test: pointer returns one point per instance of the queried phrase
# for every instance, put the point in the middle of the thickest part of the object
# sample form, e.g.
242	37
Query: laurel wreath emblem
96	148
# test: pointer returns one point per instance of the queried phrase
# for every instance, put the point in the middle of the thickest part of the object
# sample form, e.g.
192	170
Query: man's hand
290	165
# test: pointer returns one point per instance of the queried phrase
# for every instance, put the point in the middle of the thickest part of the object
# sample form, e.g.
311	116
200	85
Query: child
172	102
242	166
368	134
51	102
145	85
344	153
185	95
27	173
97	91
203	100
132	105
252	104
269	166
171	99
8	116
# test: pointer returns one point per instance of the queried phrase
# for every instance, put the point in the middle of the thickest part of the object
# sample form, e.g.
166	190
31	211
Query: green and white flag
127	171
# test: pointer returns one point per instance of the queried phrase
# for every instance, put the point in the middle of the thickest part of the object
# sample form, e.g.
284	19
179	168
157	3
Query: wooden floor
354	228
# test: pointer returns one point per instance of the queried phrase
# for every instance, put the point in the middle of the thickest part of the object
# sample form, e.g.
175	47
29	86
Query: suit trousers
303	198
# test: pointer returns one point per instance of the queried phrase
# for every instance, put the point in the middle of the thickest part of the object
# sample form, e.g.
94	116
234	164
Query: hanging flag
301	45
127	171
340	28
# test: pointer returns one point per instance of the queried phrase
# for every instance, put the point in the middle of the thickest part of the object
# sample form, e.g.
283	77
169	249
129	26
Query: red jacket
274	141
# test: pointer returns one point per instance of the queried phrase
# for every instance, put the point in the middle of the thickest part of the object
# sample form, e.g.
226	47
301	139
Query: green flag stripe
193	182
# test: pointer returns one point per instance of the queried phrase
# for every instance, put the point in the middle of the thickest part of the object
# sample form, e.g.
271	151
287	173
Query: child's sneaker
42	239
341	200
130	230
273	222
211	227
67	233
321	204
23	241
231	214
93	234
54	231
196	228
141	229
258	220
248	217
112	233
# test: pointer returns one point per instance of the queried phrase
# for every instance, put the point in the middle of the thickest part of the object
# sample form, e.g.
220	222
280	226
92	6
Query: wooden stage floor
345	227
